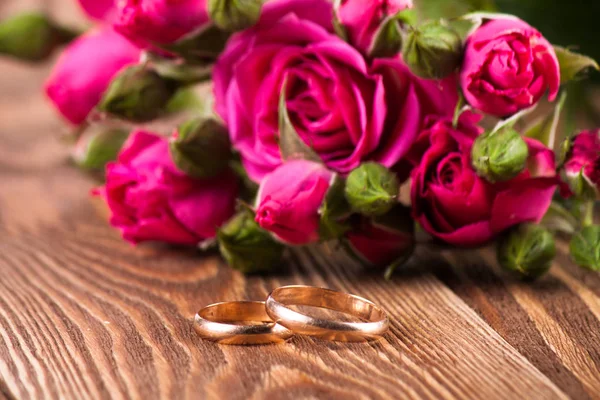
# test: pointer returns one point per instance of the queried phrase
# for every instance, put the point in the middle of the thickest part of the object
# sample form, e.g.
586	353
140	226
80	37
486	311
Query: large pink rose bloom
151	200
508	67
345	110
85	69
289	199
455	205
362	18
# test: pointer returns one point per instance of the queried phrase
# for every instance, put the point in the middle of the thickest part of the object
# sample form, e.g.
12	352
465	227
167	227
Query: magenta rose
378	244
583	162
102	10
289	199
508	67
455	205
151	200
159	21
81	76
345	110
362	18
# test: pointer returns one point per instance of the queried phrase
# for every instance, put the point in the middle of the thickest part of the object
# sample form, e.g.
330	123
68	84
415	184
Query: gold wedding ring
239	322
375	319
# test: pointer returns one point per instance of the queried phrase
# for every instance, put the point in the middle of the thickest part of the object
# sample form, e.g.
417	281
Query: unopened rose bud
528	250
234	15
95	148
137	94
372	189
499	156
432	50
581	168
201	148
585	248
246	247
31	37
289	200
384	240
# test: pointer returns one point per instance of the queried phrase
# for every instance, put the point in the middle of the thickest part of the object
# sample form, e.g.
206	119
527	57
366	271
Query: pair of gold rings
273	321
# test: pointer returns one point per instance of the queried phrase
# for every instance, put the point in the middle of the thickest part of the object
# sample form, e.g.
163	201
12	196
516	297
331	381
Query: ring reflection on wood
240	323
374	321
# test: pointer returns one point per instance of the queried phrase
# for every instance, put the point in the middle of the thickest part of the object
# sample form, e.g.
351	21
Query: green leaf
200	47
339	28
573	65
388	39
291	144
333	211
585	248
234	15
545	130
182	73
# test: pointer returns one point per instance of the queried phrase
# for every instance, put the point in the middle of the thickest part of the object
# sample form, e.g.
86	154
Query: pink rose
151	200
345	110
583	161
455	205
159	21
289	199
101	10
362	18
508	67
85	69
381	245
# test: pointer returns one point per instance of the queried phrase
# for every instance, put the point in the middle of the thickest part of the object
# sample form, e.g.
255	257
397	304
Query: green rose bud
372	189
247	247
499	156
234	15
585	248
201	148
138	94
432	50
98	147
31	37
528	250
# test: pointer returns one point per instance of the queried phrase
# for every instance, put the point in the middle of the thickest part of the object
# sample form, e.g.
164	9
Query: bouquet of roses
322	111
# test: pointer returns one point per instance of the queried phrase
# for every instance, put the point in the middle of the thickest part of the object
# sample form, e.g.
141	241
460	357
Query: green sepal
573	66
291	144
585	248
334	211
234	15
247	247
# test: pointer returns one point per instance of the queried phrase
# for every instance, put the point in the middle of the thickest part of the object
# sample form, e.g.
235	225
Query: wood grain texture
85	315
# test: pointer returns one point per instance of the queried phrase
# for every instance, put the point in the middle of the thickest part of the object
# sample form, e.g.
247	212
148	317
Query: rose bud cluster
324	112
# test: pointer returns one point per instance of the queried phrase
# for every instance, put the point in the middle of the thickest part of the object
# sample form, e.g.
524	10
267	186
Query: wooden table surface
85	315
